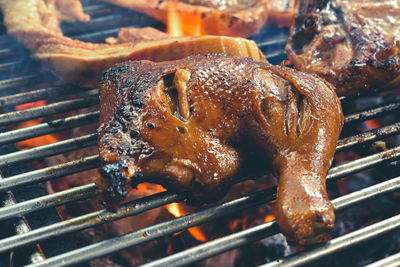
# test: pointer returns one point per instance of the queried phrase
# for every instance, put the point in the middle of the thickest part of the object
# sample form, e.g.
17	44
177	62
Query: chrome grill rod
47	110
49	150
49	127
50	173
92	162
391	261
253	234
43	233
109	246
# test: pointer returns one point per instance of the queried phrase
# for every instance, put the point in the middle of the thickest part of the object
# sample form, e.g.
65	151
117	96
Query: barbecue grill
28	210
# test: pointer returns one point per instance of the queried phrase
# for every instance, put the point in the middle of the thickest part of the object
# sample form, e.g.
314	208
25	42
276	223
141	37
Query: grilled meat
241	18
186	125
127	35
352	44
232	18
35	24
282	12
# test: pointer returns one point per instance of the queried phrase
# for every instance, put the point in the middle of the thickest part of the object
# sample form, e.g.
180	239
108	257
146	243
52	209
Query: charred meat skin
181	124
352	44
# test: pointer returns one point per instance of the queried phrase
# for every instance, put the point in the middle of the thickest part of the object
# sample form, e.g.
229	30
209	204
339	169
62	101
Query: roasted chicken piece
353	44
186	124
35	24
239	18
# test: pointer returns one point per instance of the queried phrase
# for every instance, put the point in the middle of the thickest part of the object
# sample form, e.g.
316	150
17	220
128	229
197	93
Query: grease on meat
183	124
353	44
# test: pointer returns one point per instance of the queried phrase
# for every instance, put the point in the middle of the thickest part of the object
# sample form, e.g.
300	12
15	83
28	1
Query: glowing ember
196	232
181	23
373	124
154	188
37	141
31	105
269	218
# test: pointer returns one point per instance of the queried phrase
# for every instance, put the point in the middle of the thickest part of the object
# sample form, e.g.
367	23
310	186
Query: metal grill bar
80	165
150	233
277	53
281	41
22	80
47	201
333	174
49	127
89	220
47	110
151	202
74	121
34	95
153	232
21	225
5	40
253	234
49	150
368	136
49	173
391	261
369	114
10	52
51	109
365	163
102	22
216	212
95	8
6	67
338	244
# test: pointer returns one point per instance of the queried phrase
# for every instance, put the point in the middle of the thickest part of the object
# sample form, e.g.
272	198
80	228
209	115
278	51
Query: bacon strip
231	18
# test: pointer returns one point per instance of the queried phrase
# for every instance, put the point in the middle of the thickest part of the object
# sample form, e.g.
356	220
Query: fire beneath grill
49	146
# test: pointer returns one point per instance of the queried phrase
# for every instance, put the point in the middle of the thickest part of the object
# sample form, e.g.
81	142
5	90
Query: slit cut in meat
235	101
175	94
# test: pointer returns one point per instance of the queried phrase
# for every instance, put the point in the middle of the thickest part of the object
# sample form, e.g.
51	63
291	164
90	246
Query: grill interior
28	213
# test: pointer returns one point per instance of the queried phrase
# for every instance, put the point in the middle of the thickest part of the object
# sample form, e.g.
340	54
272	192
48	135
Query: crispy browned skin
353	44
35	24
183	124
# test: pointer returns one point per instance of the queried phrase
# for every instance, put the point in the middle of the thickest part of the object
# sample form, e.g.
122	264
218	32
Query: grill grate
42	85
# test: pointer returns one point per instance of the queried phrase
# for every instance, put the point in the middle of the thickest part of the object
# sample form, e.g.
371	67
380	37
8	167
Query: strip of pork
35	24
352	44
187	125
239	18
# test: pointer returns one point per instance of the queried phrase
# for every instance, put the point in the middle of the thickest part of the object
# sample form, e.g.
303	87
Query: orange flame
196	232
155	188
181	23
373	124
37	141
269	218
34	142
